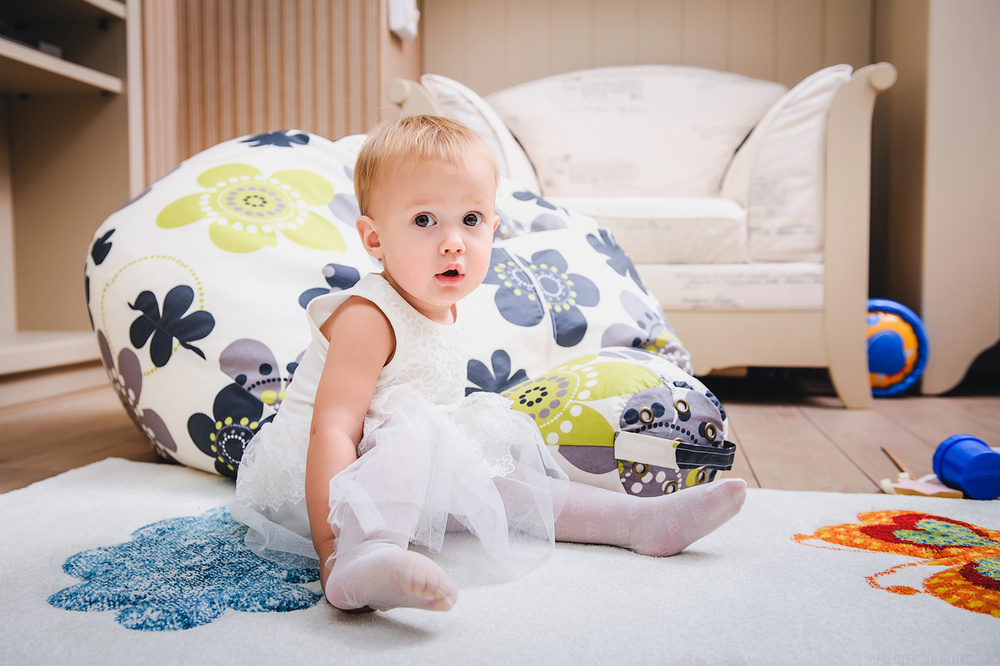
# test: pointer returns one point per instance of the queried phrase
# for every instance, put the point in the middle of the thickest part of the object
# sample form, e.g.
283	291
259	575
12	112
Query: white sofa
744	205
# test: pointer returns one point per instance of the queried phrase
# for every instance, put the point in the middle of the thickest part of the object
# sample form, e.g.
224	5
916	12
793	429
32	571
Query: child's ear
496	222
369	236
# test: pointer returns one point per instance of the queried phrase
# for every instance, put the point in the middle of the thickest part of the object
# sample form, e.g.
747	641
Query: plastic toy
926	486
968	464
897	347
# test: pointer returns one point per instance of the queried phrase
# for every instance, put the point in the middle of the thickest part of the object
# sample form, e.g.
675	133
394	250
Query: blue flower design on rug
181	573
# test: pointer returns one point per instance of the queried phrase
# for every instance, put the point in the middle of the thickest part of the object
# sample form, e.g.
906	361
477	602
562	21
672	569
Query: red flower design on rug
970	553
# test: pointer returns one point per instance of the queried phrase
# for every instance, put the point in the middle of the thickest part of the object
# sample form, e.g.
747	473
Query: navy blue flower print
171	324
497	381
101	247
181	573
283	139
529	196
516	299
236	420
617	257
337	276
86	293
546	220
562	293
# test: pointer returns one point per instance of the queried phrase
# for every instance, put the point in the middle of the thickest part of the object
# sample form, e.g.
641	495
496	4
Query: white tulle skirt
429	473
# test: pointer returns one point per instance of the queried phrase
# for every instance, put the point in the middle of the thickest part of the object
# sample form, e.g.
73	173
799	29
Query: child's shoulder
356	315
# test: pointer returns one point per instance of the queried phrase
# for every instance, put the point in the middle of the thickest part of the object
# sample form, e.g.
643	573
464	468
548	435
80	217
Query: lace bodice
430	357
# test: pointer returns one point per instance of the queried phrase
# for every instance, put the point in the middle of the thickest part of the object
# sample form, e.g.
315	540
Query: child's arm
364	343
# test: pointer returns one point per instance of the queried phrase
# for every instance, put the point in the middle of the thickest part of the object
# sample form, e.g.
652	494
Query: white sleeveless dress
428	453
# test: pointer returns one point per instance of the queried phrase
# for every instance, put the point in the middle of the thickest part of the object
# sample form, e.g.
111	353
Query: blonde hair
414	137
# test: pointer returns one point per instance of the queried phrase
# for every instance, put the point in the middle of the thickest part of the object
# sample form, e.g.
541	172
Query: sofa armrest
412	98
848	194
778	173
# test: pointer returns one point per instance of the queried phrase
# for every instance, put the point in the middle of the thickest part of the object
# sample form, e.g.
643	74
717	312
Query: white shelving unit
70	155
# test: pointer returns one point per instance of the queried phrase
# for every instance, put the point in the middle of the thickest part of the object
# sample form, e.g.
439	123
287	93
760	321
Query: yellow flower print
246	209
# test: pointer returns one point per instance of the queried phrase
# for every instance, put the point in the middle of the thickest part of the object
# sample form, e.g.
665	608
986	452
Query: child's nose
452	242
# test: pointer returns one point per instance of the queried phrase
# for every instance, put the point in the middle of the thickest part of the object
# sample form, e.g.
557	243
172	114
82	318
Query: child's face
432	224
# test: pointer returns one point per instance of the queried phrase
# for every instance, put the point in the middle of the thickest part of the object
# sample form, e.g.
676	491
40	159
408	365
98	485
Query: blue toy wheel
897	347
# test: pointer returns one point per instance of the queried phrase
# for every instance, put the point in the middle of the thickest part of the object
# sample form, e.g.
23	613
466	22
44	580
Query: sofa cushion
669	230
775	286
646	130
460	103
779	172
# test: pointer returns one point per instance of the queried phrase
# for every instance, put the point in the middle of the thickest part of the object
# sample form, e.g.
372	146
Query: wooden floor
791	431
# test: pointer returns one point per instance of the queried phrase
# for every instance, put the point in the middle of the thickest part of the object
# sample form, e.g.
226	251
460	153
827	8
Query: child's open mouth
450	276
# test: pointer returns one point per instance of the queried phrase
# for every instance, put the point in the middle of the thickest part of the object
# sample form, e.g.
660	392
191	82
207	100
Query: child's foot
669	524
387	576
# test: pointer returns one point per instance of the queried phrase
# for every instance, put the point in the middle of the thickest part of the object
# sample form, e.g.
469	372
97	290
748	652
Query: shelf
110	7
26	70
24	351
56	113
31	10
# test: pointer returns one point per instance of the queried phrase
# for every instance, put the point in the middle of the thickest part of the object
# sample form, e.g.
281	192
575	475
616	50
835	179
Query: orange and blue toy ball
897	347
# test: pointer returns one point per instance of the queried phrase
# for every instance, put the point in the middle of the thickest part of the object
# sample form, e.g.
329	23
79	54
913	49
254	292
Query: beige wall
218	69
941	229
490	45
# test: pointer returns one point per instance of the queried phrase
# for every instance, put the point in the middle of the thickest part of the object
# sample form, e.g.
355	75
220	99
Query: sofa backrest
646	130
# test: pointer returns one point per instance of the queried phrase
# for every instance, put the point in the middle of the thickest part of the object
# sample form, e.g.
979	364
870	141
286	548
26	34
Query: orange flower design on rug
970	553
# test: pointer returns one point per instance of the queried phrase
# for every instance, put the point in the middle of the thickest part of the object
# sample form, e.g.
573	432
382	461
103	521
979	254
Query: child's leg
379	574
648	525
373	568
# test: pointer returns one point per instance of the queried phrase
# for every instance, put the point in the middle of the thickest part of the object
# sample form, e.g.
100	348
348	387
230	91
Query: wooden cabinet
70	155
943	227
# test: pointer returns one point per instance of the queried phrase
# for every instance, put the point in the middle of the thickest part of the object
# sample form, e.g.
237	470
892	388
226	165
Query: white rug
749	593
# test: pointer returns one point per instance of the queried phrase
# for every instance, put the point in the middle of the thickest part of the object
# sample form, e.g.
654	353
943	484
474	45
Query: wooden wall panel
525	34
659	33
799	39
780	40
615	33
706	34
218	69
571	35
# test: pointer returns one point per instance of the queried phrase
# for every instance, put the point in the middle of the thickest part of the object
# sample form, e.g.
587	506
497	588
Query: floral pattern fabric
196	290
246	210
582	406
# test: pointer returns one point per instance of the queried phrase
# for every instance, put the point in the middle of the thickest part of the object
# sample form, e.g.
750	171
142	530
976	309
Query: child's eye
424	220
472	219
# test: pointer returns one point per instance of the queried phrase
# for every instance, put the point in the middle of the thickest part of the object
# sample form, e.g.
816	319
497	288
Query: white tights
381	573
657	526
